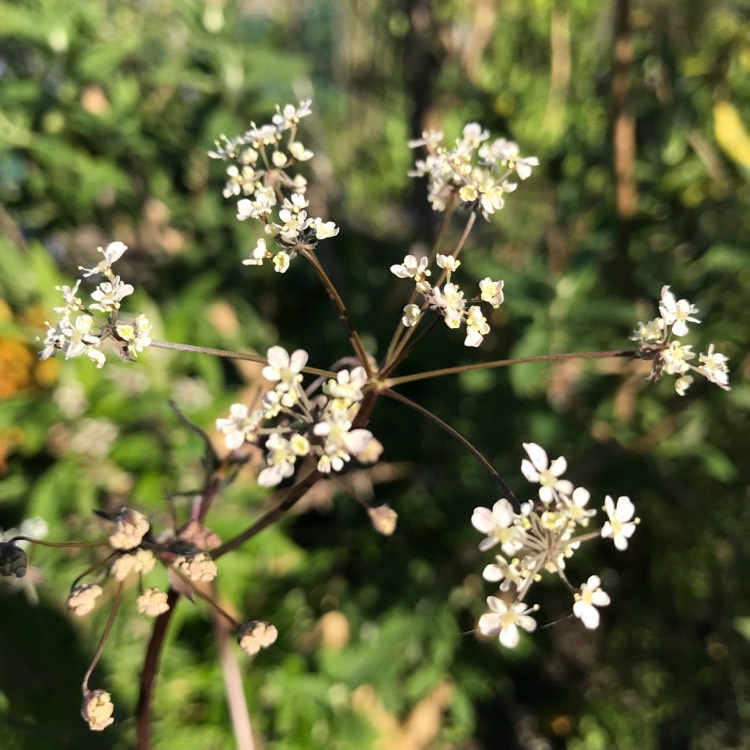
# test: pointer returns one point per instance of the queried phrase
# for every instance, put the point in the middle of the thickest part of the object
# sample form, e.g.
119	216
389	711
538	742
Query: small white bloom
411	315
258	255
590	597
281	262
239	427
324	229
283	369
714	366
621	524
411	268
497	525
506	621
676	313
492	291
538	469
448	263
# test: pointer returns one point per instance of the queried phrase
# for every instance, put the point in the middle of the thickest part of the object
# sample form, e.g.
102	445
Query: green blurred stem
508	493
231	355
343	313
505	363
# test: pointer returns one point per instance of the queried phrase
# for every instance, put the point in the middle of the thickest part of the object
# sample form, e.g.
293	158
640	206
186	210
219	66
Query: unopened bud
97	710
13	560
253	636
81	599
383	519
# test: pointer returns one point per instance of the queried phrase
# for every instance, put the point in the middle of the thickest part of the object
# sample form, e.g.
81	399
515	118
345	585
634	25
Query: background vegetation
637	111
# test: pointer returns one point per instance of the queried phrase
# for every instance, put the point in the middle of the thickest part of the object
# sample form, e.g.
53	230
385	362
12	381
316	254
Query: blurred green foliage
106	113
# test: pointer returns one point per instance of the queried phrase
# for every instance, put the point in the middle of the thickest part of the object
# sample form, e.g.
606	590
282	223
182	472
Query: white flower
496	524
411	268
586	602
258	255
111	253
448	263
476	326
676	313
239	427
714	366
283	369
411	315
109	294
506	621
537	469
281	262
621	523
491	291
324	229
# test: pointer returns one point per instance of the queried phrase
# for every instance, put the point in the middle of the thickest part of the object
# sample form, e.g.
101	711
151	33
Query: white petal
537	454
509	636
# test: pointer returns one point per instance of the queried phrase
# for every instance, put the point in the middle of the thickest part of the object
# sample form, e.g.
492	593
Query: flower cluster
480	172
448	300
260	172
79	332
291	423
540	537
655	341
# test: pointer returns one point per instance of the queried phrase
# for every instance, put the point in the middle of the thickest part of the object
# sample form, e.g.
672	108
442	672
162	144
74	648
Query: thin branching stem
343	313
395	351
148	674
226	354
462	440
103	639
400	330
401	380
43	543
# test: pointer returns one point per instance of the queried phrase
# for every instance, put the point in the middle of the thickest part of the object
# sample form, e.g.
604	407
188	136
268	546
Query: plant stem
231	355
505	363
433	252
343	313
461	439
395	351
148	675
103	639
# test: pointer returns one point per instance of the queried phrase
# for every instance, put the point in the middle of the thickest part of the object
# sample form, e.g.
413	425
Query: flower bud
197	567
152	602
253	636
97	710
81	599
13	560
383	519
132	526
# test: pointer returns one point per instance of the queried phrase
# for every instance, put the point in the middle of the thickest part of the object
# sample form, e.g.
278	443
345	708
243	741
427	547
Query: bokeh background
638	112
